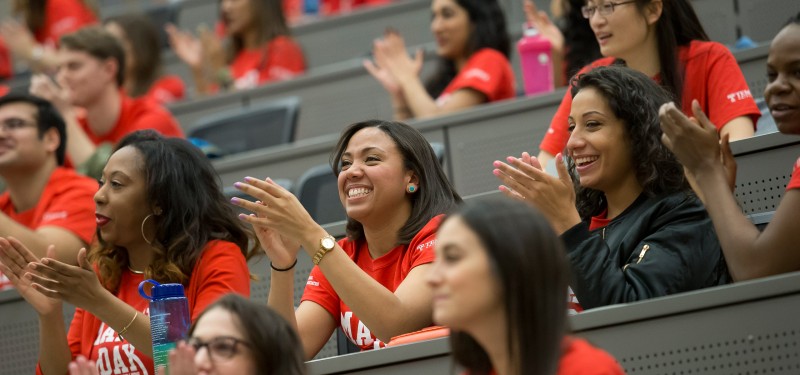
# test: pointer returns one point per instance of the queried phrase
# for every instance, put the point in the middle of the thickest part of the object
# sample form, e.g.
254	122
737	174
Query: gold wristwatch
326	244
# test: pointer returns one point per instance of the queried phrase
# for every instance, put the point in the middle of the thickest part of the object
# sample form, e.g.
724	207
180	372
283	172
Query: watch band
326	244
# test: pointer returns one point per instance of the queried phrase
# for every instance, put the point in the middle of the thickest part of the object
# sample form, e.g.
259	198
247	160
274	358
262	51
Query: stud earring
411	189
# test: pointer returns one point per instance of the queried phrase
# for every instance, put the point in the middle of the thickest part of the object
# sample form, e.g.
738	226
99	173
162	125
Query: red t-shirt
794	182
221	269
136	114
63	17
167	89
4	90
67	202
280	59
487	71
713	77
389	270
581	358
5	62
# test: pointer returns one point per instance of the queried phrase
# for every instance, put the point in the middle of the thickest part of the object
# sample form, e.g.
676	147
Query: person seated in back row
89	96
632	227
749	253
473	48
44	203
259	48
371	283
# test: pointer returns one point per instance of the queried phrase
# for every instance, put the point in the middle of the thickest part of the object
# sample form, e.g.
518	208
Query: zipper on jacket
604	233
641	256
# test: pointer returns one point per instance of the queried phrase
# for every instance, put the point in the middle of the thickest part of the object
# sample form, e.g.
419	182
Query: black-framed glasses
14	123
220	347
606	9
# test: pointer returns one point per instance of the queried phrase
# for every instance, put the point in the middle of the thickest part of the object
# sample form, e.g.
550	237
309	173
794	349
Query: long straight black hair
529	262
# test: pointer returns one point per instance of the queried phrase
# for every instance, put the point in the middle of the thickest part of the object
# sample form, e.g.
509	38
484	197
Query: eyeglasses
220	347
604	10
12	124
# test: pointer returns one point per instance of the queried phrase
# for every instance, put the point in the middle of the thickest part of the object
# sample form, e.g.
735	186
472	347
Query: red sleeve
557	135
422	246
63	17
221	270
167	89
73	208
4	90
794	182
487	72
581	358
729	96
5	62
286	60
320	291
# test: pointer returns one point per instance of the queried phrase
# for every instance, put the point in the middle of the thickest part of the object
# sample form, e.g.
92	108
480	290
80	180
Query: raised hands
696	144
18	38
541	21
15	263
188	47
392	64
77	285
525	179
280	220
44	87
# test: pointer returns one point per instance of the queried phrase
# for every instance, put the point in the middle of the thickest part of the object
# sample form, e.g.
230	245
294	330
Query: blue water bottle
169	318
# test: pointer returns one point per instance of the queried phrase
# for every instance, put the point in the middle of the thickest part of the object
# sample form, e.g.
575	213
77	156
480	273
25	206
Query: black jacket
658	246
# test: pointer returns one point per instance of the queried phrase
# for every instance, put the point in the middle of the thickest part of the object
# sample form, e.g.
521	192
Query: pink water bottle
536	58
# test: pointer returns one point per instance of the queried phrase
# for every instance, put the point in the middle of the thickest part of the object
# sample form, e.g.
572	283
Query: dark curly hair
436	194
181	181
489	31
635	100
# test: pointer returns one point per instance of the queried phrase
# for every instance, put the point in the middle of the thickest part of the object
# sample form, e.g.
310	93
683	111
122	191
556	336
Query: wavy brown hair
180	180
635	100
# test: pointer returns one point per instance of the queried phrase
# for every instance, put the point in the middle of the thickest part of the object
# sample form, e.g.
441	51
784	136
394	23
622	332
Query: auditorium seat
318	191
269	124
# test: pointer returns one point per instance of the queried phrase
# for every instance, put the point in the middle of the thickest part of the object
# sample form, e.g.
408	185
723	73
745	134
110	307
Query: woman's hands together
279	219
696	143
392	64
524	179
15	263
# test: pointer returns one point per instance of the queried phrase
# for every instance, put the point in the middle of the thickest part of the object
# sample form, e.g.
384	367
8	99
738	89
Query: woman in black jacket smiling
632	227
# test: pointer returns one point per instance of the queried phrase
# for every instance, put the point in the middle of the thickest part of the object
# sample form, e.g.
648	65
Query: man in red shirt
44	203
90	77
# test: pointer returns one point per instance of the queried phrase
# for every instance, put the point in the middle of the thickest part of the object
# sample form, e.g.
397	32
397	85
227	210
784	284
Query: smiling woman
372	282
632	227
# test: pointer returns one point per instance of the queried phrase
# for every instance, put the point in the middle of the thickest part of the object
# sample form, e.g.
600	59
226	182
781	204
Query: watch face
328	243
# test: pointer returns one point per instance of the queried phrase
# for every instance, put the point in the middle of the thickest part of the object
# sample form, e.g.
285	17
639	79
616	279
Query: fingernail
496	164
510	159
234	200
242	216
33	266
237	184
496	172
248	179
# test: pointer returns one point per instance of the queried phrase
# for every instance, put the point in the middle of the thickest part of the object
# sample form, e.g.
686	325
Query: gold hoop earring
149	242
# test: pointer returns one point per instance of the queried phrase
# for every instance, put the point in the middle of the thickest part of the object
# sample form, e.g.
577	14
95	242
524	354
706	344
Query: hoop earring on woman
149	242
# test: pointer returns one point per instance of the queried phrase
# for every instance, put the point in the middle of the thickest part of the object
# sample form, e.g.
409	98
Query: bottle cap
529	30
160	291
